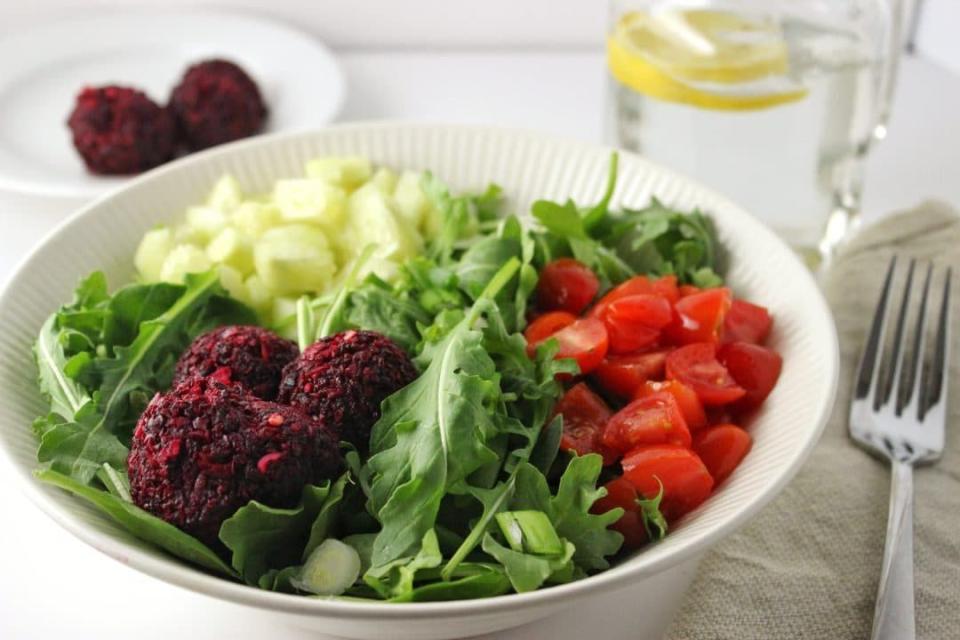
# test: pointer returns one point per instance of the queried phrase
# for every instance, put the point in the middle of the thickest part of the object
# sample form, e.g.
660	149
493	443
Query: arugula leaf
569	509
527	571
395	579
142	524
653	520
66	396
433	433
480	581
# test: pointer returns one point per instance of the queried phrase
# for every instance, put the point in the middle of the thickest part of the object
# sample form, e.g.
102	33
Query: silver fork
902	417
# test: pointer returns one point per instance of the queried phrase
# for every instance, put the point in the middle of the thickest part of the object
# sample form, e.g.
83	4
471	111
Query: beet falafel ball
117	130
250	356
205	449
216	102
344	378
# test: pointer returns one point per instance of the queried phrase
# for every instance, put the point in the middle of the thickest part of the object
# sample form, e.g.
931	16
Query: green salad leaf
142	524
527	571
433	433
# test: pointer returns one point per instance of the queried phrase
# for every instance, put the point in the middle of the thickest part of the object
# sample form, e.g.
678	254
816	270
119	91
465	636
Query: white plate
43	69
528	166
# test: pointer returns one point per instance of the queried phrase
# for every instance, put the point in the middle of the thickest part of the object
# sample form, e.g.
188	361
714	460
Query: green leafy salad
464	491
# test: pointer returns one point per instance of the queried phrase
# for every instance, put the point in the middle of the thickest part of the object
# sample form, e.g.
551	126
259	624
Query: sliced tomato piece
755	368
690	405
622	375
685	290
699	317
586	341
696	366
634	322
622	494
638	286
585	415
722	448
655	419
566	285
545	326
686	480
746	322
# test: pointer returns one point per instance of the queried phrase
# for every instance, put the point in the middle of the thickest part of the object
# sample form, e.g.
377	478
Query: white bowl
528	166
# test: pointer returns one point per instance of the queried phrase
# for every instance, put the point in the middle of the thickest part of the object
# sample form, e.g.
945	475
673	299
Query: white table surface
54	586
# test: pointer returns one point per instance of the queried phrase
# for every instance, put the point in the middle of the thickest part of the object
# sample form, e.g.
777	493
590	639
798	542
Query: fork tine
936	385
890	390
868	371
910	378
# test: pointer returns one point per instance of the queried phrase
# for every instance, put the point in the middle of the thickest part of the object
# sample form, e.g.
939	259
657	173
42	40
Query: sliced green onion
332	568
530	532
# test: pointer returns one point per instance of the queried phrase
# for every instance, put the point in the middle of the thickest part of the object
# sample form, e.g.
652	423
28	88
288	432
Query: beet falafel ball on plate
205	449
251	356
117	130
217	102
343	379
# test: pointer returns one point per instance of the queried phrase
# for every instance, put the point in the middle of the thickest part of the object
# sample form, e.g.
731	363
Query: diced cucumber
332	568
348	172
372	221
232	281
258	295
385	179
226	195
232	248
412	203
153	250
314	201
181	260
207	222
294	259
255	218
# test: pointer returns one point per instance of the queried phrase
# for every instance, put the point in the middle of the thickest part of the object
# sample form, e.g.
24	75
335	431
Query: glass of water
773	102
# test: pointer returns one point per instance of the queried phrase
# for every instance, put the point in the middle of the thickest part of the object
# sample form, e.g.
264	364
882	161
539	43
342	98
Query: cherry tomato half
699	317
622	375
586	341
687	400
685	290
755	368
585	414
686	481
655	419
545	326
636	286
696	366
722	448
634	322
620	493
566	285
746	322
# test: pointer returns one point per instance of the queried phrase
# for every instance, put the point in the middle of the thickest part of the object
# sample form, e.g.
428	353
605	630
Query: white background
524	63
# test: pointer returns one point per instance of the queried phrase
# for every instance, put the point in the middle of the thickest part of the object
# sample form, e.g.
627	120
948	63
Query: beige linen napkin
809	564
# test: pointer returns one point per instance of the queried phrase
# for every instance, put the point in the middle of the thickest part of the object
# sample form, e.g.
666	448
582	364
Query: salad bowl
528	166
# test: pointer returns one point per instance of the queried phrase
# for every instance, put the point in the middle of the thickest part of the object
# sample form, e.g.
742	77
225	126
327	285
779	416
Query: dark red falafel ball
117	130
344	378
205	449
251	356
216	102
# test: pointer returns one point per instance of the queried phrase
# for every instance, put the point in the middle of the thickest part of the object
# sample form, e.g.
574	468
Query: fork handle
894	615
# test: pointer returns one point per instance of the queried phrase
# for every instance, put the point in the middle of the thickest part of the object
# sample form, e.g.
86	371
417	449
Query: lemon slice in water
708	59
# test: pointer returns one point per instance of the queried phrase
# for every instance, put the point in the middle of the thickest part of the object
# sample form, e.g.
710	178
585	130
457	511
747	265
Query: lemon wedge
701	58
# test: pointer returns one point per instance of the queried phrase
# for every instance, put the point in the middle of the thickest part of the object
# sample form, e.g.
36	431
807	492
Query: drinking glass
775	103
